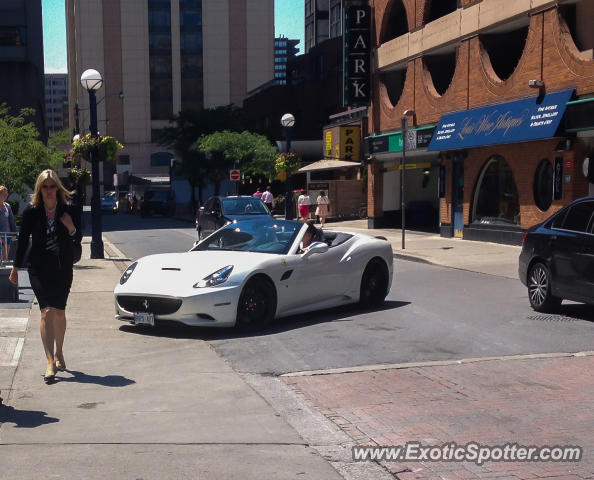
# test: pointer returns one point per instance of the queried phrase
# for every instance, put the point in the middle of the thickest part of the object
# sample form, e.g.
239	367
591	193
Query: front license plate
144	319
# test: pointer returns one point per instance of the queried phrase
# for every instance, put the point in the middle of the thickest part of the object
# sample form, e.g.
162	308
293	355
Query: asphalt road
431	313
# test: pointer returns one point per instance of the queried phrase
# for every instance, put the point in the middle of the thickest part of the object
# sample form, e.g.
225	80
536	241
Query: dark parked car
557	259
108	204
218	211
161	202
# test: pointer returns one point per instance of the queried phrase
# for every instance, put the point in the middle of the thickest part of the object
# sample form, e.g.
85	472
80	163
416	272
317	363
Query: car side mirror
317	247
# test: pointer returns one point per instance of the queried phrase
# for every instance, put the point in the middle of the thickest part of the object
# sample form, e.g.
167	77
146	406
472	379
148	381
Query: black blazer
34	225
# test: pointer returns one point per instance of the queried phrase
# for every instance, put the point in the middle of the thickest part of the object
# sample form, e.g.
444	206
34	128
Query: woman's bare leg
46	328
59	333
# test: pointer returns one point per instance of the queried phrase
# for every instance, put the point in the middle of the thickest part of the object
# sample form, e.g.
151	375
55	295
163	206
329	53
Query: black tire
374	284
257	305
539	289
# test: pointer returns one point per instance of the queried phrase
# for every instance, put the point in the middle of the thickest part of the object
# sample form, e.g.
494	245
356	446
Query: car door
322	277
568	255
585	261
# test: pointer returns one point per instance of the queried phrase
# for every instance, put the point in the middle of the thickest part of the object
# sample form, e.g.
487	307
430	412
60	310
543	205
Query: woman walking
7	223
54	228
322	207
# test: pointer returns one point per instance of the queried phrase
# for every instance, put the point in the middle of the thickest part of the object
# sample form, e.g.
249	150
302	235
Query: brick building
495	61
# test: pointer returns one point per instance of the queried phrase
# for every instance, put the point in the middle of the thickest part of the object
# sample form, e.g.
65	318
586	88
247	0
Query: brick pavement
537	401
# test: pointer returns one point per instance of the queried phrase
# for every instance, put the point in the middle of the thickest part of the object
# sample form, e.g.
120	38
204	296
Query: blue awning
510	122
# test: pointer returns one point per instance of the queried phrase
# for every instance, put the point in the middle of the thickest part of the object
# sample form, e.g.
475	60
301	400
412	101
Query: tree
22	155
252	153
191	125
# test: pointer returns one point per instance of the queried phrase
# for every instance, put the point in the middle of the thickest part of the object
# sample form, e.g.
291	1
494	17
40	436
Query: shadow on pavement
339	314
107	381
24	418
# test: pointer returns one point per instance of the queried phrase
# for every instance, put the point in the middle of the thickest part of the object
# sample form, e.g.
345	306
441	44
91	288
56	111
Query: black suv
161	202
557	259
218	211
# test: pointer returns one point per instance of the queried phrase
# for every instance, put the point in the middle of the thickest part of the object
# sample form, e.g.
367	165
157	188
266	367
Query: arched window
395	22
394	80
440	8
543	185
496	200
505	50
442	68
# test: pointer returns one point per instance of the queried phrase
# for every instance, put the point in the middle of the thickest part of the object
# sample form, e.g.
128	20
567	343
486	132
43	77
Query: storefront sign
558	179
356	56
343	143
393	142
517	121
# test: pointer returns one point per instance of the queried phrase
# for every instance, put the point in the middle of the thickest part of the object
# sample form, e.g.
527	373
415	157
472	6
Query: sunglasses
49	187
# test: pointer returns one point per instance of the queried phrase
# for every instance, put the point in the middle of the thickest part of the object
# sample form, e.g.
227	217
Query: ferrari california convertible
249	273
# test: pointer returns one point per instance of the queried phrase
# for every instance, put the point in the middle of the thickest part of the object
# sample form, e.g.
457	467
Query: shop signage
510	122
343	143
393	142
558	179
356	56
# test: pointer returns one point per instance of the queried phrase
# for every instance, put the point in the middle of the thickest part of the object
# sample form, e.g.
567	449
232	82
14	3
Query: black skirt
51	285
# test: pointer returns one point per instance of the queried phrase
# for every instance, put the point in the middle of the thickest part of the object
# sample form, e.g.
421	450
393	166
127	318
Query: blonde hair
3	189
62	196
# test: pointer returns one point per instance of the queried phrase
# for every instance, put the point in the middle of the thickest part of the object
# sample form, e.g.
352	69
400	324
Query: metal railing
8	246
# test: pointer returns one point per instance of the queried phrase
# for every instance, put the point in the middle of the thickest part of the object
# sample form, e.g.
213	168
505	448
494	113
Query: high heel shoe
50	376
60	365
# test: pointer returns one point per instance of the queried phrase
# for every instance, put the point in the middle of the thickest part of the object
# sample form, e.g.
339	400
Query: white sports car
250	272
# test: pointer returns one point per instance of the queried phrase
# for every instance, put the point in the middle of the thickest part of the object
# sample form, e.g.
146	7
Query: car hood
176	273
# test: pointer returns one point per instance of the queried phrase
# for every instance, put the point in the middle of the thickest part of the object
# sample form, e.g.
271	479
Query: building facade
56	101
21	59
284	52
323	20
158	57
498	99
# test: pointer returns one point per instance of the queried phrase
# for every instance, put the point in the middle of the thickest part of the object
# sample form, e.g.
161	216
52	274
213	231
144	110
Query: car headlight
215	278
128	273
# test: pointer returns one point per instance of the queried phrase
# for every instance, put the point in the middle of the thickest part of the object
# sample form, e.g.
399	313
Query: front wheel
540	289
374	285
257	305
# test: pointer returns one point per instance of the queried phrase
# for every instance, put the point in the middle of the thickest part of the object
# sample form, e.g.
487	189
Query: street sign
235	175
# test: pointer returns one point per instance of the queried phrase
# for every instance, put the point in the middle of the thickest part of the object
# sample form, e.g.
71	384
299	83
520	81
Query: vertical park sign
356	56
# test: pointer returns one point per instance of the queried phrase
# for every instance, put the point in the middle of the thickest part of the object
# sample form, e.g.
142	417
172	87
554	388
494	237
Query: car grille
156	305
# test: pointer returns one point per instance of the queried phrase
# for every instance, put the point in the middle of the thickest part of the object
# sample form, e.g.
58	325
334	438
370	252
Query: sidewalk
134	404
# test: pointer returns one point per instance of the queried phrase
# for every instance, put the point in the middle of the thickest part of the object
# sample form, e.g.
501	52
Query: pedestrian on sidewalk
54	228
303	202
322	207
268	198
257	193
7	223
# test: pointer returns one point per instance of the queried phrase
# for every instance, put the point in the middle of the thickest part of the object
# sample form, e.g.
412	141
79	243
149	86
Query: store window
543	185
496	200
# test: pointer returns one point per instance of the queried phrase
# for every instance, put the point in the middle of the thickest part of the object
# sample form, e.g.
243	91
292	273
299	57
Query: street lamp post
288	122
402	173
91	81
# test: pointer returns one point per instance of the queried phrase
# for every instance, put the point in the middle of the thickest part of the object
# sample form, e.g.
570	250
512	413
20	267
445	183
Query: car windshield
156	195
273	236
243	206
108	199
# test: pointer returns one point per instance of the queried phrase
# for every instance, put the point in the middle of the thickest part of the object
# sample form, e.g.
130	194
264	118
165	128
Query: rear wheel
257	305
540	289
374	284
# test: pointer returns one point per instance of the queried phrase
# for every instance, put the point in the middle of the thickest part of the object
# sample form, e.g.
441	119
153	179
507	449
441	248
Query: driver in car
308	238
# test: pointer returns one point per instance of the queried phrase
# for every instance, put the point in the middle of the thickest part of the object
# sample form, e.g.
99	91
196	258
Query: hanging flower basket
287	163
105	147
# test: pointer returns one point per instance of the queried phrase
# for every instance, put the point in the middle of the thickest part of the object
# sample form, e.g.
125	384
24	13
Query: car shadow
577	311
24	418
337	314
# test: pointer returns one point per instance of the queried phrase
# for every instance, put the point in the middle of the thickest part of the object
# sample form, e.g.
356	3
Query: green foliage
78	174
106	147
59	139
287	163
252	153
22	155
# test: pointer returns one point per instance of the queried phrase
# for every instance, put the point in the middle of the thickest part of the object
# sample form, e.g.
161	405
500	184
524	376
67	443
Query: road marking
436	363
10	351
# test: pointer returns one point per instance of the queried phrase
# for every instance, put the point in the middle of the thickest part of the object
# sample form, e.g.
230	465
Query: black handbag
76	252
